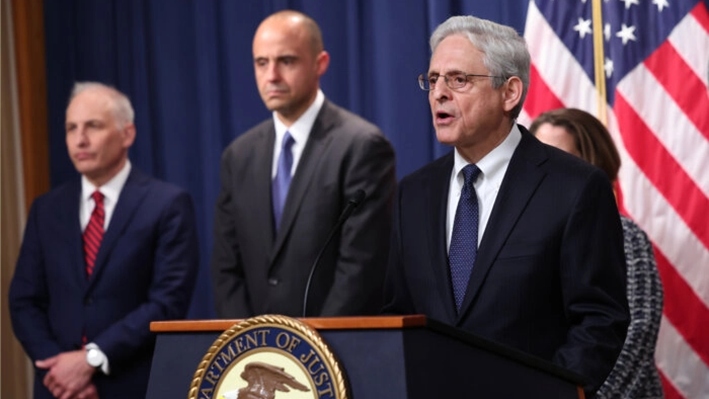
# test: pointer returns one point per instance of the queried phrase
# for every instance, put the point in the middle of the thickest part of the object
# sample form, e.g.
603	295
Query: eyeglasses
454	80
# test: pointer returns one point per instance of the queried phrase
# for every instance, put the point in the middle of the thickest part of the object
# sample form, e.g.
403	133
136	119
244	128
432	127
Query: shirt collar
112	189
495	162
300	129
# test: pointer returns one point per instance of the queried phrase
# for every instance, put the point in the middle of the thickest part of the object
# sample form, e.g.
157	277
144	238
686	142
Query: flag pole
598	60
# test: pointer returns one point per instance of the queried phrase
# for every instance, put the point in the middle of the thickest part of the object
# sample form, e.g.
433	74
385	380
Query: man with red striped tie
103	255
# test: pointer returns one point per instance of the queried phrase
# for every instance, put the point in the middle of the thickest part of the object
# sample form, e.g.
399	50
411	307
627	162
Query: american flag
656	69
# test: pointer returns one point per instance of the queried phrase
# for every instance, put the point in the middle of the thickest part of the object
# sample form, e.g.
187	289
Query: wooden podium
401	357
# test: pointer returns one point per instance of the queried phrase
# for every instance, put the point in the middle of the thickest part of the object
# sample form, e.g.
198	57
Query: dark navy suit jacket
549	276
145	271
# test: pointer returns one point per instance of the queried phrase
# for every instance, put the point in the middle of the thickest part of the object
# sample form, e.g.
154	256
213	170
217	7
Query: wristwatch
93	357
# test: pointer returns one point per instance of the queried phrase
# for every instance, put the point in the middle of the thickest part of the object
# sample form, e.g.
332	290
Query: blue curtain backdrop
187	67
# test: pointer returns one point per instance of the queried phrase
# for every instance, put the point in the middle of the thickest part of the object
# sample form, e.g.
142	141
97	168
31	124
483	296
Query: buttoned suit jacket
145	271
257	270
549	274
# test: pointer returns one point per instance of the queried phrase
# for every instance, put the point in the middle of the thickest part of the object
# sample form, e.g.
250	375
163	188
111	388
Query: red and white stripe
660	122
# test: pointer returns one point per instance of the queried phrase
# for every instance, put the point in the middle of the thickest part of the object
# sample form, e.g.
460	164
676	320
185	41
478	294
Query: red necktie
93	234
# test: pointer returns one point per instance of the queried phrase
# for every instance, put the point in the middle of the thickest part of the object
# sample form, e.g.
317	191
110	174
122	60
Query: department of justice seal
269	357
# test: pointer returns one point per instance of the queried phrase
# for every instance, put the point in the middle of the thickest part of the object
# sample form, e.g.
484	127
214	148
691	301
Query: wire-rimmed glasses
454	80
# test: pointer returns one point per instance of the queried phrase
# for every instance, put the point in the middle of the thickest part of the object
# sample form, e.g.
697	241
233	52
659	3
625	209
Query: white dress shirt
299	130
492	167
111	191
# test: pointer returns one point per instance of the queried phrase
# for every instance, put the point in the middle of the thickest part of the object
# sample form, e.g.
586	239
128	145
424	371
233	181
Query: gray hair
120	104
504	51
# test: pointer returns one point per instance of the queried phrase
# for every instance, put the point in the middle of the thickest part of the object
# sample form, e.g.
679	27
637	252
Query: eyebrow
278	58
447	73
90	122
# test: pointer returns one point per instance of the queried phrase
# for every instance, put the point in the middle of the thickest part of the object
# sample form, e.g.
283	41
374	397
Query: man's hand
89	392
69	374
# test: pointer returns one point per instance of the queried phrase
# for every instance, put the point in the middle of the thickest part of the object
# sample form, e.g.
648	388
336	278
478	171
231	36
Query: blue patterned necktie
281	182
464	240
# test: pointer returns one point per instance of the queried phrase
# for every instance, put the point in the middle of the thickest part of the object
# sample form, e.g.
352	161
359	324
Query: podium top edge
319	323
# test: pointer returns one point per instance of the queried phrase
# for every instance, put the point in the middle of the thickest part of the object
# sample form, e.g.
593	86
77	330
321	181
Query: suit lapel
436	190
521	181
315	149
72	222
128	201
260	186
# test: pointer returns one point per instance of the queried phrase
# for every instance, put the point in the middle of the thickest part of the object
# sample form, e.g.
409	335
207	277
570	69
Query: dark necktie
282	180
93	234
464	239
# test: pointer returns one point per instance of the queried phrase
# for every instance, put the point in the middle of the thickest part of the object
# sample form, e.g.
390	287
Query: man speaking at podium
288	184
505	237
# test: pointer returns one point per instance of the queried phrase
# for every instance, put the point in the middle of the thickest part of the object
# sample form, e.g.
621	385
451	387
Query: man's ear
322	61
128	135
512	93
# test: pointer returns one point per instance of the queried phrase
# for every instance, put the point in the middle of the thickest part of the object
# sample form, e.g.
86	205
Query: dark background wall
187	67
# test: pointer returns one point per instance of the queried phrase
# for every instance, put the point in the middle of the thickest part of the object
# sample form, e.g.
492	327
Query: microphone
352	204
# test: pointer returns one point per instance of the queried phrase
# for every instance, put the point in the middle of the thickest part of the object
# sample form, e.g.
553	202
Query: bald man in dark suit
267	237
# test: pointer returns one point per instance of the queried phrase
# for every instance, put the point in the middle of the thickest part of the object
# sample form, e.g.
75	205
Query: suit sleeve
593	284
29	295
231	296
175	255
397	298
359	275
